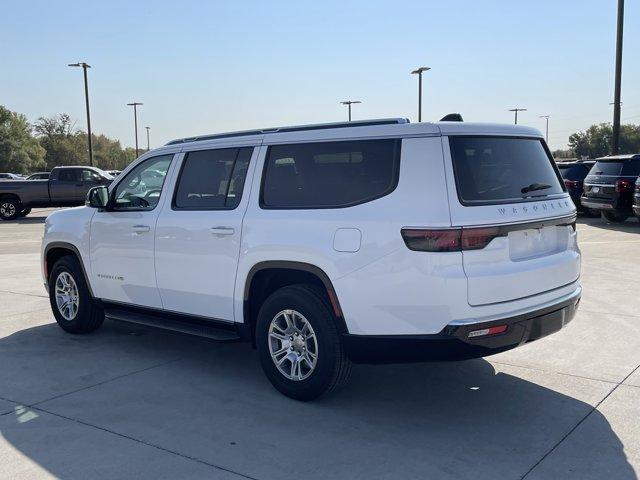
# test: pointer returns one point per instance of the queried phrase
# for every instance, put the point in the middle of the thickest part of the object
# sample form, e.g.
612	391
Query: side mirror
97	197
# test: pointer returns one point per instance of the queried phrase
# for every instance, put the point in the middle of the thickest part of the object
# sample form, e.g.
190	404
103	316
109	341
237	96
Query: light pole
135	120
349	103
418	71
148	128
616	100
546	136
516	110
84	66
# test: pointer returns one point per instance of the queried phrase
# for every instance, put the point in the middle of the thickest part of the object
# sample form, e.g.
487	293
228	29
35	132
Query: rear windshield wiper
534	187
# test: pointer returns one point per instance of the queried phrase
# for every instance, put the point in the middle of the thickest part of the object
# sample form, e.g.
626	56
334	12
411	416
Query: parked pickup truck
66	187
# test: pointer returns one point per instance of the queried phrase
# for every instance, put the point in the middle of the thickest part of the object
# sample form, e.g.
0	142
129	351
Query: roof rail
300	128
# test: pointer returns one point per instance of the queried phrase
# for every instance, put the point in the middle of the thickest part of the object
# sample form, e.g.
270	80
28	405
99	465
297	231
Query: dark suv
610	184
636	199
573	174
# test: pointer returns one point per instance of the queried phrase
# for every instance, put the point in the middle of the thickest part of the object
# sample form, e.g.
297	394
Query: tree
63	144
596	140
20	152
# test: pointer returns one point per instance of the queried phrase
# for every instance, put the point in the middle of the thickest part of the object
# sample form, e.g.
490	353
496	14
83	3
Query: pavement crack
612	382
103	382
593	409
142	442
25	294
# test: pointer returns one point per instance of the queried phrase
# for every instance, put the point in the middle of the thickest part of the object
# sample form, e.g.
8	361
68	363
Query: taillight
450	240
624	186
432	240
478	238
572	183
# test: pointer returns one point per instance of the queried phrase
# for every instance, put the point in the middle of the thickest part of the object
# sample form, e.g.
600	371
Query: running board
214	330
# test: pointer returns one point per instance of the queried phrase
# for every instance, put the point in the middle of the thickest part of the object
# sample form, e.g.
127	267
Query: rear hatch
612	178
601	181
518	220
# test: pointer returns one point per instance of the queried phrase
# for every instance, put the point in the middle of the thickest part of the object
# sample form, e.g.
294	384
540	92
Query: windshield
502	169
106	175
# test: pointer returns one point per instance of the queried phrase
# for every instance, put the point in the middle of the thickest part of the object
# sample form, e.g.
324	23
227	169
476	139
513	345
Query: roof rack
300	128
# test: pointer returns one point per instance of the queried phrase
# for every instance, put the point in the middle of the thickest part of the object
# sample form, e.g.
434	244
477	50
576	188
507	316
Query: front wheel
10	209
70	299
615	217
299	343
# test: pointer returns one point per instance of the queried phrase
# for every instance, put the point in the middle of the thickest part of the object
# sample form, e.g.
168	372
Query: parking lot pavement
133	402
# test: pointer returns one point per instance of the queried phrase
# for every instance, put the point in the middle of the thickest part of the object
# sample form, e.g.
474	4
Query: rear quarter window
493	170
329	174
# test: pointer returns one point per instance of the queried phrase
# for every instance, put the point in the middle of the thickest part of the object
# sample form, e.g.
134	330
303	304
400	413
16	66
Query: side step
218	331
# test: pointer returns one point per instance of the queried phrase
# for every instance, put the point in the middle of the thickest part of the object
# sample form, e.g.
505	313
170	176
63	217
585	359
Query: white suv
377	241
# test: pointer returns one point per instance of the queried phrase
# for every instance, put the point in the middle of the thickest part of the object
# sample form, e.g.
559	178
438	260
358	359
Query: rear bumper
453	342
597	204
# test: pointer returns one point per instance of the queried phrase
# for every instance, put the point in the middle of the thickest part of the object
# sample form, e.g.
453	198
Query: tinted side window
69	175
90	176
212	179
631	167
329	174
140	189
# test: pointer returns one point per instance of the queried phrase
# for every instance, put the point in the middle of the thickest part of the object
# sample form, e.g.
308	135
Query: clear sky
204	67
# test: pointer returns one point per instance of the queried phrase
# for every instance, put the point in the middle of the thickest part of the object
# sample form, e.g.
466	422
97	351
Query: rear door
64	185
516	217
199	231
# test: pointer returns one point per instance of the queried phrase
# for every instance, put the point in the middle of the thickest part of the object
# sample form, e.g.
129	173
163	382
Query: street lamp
546	117
135	120
516	110
618	80
148	128
349	103
418	71
84	66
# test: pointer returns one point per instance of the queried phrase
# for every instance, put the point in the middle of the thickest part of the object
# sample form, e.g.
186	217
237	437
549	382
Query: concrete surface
130	402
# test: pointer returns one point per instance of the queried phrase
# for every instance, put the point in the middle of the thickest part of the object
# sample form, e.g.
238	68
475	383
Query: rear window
329	174
573	172
500	170
607	168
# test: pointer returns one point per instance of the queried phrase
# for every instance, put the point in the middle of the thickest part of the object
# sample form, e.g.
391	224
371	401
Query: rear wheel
299	343
615	217
590	212
70	299
9	208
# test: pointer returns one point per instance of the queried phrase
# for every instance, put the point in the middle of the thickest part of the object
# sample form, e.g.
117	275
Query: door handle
141	228
222	231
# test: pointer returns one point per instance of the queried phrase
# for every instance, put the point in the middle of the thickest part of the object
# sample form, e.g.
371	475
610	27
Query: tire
24	212
332	366
87	316
615	217
10	208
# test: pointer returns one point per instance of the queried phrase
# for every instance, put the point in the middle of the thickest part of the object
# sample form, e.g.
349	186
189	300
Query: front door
65	186
122	237
198	233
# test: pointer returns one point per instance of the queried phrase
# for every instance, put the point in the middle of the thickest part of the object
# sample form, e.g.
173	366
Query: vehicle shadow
211	402
28	220
631	225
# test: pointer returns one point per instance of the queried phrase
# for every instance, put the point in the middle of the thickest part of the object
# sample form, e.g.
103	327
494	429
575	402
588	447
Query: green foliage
596	140
67	146
19	151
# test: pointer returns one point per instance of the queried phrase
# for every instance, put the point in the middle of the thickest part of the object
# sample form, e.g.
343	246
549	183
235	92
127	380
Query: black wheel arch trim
74	250
301	266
